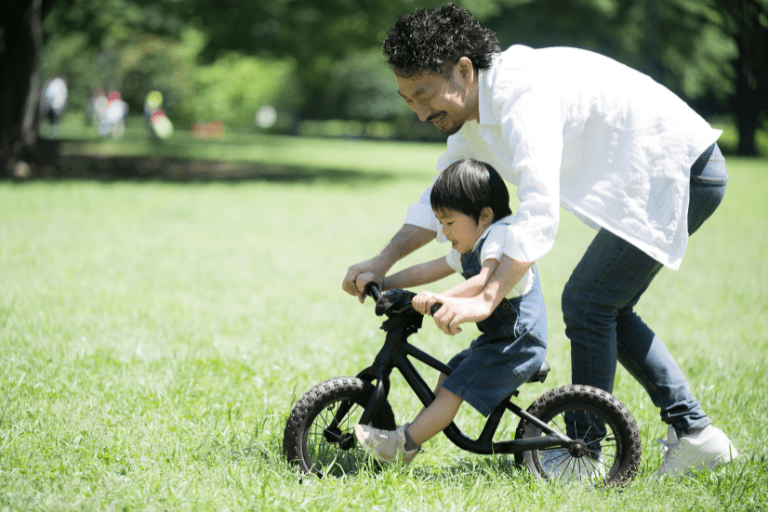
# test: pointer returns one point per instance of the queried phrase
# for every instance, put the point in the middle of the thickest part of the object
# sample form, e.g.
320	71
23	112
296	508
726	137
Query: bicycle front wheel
319	436
608	448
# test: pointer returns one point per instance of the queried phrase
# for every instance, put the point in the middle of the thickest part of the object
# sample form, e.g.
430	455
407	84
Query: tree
101	23
746	21
313	33
21	31
711	52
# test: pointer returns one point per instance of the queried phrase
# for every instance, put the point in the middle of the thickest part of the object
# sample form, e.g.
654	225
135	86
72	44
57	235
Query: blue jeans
598	307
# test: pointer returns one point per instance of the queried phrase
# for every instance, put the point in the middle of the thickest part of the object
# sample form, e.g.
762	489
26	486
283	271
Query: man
574	129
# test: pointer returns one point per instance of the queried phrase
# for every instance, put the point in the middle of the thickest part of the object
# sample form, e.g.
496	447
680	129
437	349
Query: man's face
446	103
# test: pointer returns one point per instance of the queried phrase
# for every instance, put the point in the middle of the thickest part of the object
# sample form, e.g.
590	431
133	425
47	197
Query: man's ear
465	68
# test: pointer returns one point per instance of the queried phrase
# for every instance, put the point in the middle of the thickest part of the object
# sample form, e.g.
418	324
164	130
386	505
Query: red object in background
214	130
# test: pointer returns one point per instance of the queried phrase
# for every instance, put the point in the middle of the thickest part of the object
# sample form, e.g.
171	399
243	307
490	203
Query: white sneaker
385	445
559	464
703	450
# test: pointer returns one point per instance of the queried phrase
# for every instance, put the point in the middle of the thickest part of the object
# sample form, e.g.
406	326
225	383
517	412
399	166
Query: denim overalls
510	349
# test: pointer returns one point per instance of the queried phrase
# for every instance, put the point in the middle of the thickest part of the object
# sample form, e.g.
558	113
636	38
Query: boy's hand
423	303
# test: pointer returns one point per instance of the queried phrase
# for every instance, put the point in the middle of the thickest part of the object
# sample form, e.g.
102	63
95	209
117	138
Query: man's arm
475	284
456	311
405	241
424	301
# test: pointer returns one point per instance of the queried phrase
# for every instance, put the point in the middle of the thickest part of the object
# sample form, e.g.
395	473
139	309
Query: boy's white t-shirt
495	239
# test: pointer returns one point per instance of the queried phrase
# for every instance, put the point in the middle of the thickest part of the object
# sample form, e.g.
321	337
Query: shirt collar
505	220
487	115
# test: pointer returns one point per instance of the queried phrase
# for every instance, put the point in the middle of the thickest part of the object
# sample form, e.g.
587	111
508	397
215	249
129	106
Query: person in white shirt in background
55	102
112	116
575	129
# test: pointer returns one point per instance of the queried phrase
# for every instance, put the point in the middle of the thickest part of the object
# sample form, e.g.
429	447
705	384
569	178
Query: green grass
154	337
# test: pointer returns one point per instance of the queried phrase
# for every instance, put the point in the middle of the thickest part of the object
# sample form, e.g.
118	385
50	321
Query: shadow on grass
53	166
127	168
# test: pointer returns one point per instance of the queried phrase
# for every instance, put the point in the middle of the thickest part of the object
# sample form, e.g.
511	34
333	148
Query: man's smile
435	117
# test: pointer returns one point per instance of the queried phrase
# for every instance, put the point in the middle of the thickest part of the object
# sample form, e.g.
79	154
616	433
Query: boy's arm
405	241
474	285
457	311
417	275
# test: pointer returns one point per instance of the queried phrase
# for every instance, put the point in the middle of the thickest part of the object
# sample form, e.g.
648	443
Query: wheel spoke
608	448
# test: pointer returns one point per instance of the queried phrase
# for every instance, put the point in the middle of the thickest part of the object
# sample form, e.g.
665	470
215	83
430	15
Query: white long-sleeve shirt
576	129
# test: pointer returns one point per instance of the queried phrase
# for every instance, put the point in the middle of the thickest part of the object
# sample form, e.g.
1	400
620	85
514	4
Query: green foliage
362	87
122	45
322	61
235	86
680	44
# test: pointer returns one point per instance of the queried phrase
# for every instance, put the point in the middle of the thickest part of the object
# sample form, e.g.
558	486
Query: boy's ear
486	216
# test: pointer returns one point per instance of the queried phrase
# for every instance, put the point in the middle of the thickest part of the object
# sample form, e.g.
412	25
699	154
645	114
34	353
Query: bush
235	86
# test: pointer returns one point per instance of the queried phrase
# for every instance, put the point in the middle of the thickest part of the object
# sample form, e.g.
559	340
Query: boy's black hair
468	186
435	39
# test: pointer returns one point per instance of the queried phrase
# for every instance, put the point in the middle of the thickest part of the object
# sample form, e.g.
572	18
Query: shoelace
667	449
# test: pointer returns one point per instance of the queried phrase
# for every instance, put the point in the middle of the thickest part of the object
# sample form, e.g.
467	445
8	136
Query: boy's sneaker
385	445
703	450
558	464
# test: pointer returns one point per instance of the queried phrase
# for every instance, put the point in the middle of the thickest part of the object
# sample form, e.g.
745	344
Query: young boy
471	202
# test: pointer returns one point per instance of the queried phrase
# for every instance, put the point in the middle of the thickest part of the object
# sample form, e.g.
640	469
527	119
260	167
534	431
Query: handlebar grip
372	289
434	308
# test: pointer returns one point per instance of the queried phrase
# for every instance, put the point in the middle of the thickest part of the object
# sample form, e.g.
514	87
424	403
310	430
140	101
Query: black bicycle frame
394	354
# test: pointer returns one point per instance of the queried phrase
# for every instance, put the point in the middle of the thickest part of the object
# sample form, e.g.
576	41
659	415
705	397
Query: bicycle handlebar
372	289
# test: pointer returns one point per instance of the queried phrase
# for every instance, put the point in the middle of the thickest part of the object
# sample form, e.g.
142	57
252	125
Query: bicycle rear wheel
319	436
609	447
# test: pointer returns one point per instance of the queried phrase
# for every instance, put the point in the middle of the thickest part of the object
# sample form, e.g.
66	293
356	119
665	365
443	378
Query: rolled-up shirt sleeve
532	124
420	213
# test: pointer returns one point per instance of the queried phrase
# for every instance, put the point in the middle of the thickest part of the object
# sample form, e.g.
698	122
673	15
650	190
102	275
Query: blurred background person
54	102
112	120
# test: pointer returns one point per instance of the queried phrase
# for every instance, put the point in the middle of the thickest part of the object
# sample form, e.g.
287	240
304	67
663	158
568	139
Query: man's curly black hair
435	39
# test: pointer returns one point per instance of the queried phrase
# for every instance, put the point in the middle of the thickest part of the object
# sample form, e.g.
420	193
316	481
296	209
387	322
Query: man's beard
449	130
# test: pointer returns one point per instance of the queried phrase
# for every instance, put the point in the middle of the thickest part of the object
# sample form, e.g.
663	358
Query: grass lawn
155	335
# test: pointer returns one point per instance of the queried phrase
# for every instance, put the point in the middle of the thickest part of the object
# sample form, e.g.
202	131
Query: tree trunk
746	19
20	85
746	109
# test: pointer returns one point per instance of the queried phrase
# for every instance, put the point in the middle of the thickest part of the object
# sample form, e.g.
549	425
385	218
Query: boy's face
461	230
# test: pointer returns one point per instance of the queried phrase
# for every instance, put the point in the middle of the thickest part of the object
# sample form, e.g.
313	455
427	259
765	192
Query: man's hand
456	311
405	241
359	274
365	278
